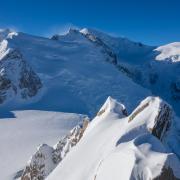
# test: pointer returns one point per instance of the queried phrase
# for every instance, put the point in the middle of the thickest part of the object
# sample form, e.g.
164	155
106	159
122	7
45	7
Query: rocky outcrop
162	118
167	173
40	164
162	121
17	77
66	143
47	158
5	84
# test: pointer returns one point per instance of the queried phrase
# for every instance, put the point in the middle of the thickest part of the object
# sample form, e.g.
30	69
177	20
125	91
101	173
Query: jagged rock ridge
47	158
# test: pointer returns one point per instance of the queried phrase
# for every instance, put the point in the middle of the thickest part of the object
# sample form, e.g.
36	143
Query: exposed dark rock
162	121
18	174
17	77
29	82
166	174
5	84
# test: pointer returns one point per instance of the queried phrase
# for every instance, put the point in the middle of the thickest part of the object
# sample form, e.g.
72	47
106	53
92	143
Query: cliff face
17	78
160	126
162	116
162	121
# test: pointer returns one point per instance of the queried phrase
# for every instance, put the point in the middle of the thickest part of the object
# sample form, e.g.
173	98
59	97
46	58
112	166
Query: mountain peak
84	31
7	33
111	105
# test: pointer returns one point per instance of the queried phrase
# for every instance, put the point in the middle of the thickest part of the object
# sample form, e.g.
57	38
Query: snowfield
21	135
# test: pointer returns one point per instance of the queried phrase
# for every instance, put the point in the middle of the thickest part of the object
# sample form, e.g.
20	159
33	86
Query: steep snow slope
19	136
118	147
126	50
155	68
73	71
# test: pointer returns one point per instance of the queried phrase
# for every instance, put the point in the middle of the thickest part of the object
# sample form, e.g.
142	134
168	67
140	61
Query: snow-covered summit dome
169	52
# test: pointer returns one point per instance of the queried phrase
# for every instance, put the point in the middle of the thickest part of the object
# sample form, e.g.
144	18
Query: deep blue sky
150	21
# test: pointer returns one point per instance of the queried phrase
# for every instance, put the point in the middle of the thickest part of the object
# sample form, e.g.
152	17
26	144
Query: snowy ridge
121	46
123	147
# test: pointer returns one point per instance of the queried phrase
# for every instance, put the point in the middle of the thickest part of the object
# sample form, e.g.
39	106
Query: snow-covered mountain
75	73
75	65
155	68
73	70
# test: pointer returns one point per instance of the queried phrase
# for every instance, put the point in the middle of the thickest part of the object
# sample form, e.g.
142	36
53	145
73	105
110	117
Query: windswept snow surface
20	136
115	147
